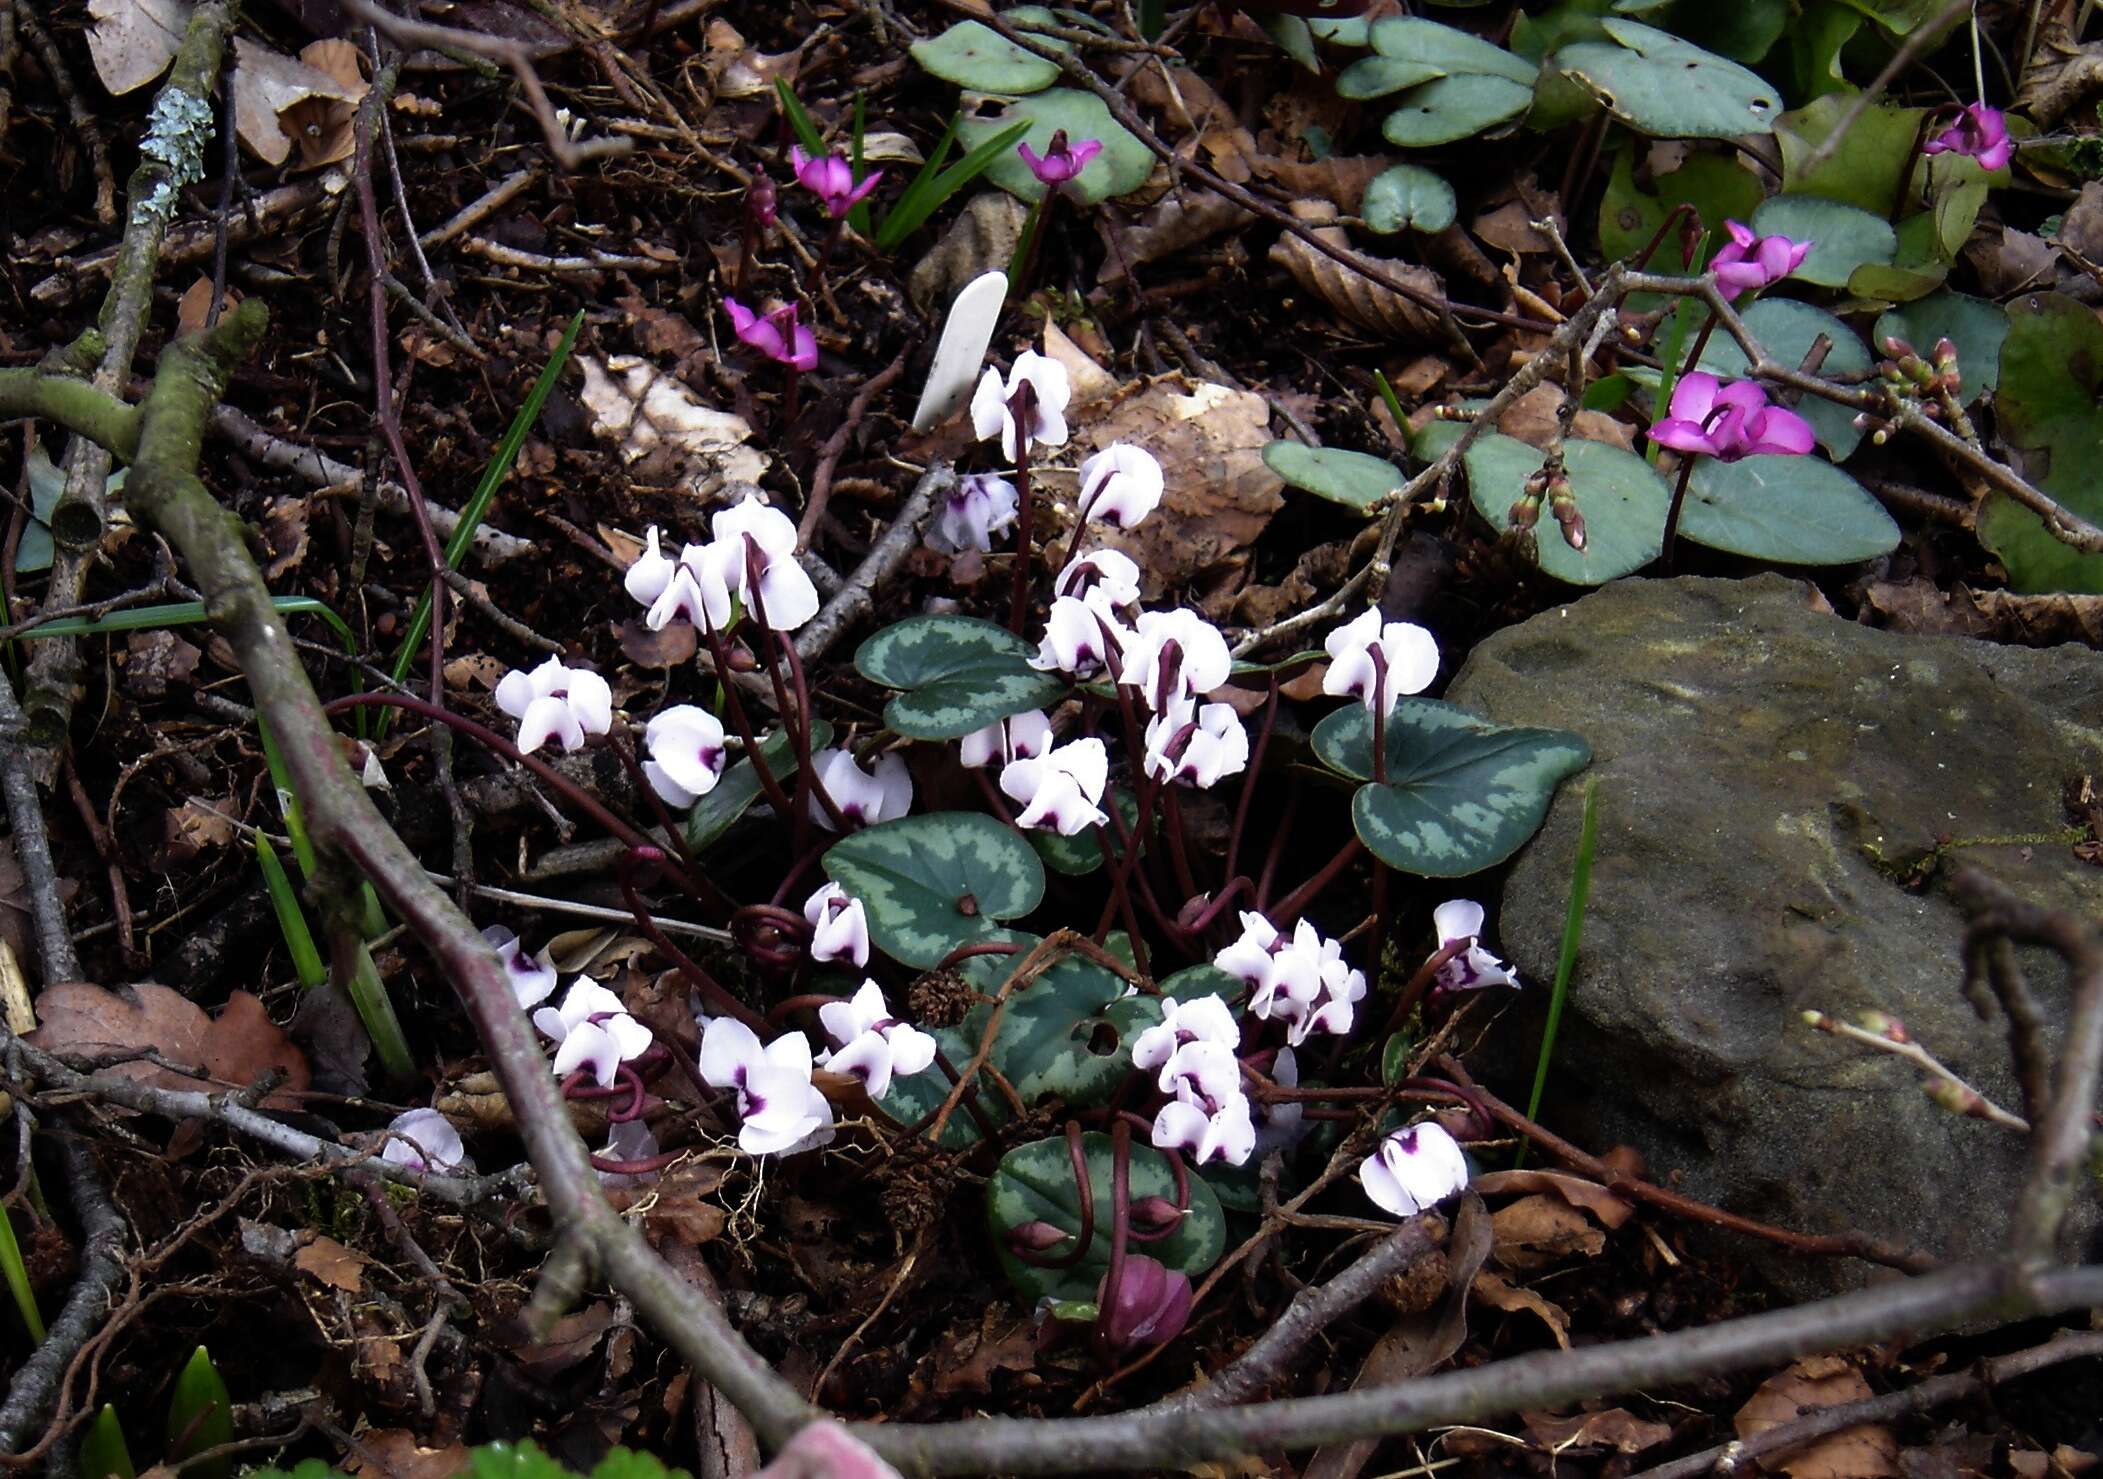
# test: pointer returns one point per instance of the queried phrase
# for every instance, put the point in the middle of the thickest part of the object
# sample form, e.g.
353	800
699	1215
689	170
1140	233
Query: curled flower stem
965	952
1022	409
1084	1194
1250	777
1289	908
650	1167
633	764
1677	215
1120	1233
631	873
1421	983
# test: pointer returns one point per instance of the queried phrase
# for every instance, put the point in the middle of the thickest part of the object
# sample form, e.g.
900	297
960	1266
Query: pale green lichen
177	130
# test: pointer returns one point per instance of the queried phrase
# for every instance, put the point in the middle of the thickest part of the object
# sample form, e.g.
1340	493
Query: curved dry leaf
1616	1428
1610	1209
84	1020
1865	1451
2002	616
1494	1291
664	430
1352	294
1542	1229
1340	180
324	127
265	84
132	41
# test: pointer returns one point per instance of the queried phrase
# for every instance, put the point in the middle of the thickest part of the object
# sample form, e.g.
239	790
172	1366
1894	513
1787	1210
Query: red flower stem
1120	1232
1178	847
1249	776
1289	908
803	728
719	649
963	953
577	796
650	1167
1277	849
1121	877
1421	983
1679	498
672	829
1235	885
1022	409
710	989
1380	920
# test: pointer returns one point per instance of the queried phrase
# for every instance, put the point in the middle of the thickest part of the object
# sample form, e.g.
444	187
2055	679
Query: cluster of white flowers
751	560
555	702
780	1111
1195	1047
1303	981
593	1032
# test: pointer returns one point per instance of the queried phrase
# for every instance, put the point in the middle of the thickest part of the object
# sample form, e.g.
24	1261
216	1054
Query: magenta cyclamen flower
1062	161
1750	261
831	179
776	335
1728	422
1979	132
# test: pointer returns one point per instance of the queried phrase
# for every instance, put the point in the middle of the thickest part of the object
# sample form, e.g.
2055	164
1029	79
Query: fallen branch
34	1387
857	597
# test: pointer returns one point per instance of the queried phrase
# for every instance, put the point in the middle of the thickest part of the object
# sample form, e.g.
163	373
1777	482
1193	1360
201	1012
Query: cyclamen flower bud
1156	1214
1149	1306
1035	1237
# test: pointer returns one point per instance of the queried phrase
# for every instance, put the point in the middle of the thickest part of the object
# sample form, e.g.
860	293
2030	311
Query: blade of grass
291	920
923	179
1392	401
800	121
858	218
478	504
1566	958
902	223
368	993
287	803
18	1278
183	613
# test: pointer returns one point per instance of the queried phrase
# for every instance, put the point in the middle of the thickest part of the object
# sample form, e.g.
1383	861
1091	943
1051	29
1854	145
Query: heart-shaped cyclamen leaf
1408	195
1454	108
959	674
932	883
974	55
1122	167
1462	794
1788	329
1449	49
1354	479
1620	496
1669	88
1035	1183
1064	1036
739	786
1795	510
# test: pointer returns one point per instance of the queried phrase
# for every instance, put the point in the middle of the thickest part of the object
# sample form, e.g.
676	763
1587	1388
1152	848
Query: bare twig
32	845
857	597
35	1385
476	211
1918	42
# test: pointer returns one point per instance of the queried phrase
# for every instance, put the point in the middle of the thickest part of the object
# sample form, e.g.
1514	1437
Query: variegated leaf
1035	1183
932	883
958	673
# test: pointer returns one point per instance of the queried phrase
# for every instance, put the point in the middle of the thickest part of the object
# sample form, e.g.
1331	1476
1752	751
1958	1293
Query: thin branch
857	597
32	845
35	1385
1919	41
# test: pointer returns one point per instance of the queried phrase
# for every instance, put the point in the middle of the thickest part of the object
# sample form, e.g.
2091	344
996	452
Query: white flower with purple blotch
1308	985
425	1140
1022	736
1061	789
881	793
871	1044
1080	639
697	587
839	925
1106	580
1203	1019
1197	749
555	702
780	1110
1208	1117
1175	656
760	562
977	508
1414	1169
1472	968
532	979
686	754
1120	486
1044	424
1362	648
593	1032
1249	957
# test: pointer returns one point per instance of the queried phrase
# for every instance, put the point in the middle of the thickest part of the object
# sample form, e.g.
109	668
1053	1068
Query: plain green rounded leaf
1842	237
739	786
976	56
1121	168
1354	31
931	883
1355	479
1669	88
1716	185
1453	108
1975	326
1462	794
1450	50
1792	510
1788	328
1622	499
1408	195
2050	409
1377	76
959	674
1035	1183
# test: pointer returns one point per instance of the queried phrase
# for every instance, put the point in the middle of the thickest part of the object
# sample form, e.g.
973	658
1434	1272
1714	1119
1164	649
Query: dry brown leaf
196	302
664	431
682	1207
572	1338
1220	494
85	1020
2061	75
2003	616
478	670
1532	419
266	83
1494	1291
967	1361
1538	1230
1089	381
284	531
1865	1451
1340	181
333	1264
739	70
981	239
1174	223
1616	1428
1195	109
321	125
132	41
397	1453
1610	1209
243	1044
1352	294
197	826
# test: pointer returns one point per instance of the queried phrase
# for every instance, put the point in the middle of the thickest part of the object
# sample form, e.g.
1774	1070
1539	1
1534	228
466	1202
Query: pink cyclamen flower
1979	133
831	179
1728	422
1062	161
1749	261
776	334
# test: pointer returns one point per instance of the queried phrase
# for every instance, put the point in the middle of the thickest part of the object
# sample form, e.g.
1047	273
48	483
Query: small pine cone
1418	1287
940	998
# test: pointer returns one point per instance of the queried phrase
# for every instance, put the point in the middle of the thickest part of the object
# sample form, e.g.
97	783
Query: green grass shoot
291	919
1566	958
200	1416
368	993
18	1278
103	1452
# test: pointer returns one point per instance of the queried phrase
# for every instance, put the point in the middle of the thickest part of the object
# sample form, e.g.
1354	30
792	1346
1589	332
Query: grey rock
1767	774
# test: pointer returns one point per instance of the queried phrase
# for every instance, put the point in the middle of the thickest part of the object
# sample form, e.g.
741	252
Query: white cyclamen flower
1197	750
1080	639
594	1031
425	1140
686	754
1250	956
1120	485
1175	656
1308	985
761	563
864	797
1409	652
780	1109
698	589
1021	736
555	702
1415	1168
839	925
872	1044
1106	579
977	508
630	1140
991	415
1205	1019
1060	789
1474	967
532	980
1219	1131
650	572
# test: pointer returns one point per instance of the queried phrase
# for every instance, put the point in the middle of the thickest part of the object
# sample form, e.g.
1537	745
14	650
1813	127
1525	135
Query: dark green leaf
932	883
714	813
1034	1182
959	674
1794	510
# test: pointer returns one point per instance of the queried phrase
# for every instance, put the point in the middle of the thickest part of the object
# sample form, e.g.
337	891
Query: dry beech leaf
195	827
1610	1209
1538	1230
1352	294
85	1020
265	84
1865	1451
664	431
132	41
739	70
1494	1291
333	1264
196	303
1616	1428
478	670
2002	616
1340	181
397	1453
966	1360
1174	223
323	126
1194	108
284	531
1532	419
